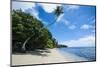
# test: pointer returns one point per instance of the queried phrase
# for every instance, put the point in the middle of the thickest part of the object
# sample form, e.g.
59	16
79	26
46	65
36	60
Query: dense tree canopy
28	30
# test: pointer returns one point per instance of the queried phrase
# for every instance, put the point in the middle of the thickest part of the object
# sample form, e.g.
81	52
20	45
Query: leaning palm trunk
58	12
25	42
23	46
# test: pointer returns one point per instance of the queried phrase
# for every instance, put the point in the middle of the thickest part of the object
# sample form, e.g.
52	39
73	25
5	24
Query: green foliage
61	46
24	26
58	11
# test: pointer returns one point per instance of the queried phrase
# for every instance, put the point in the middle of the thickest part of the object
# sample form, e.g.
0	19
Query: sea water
87	52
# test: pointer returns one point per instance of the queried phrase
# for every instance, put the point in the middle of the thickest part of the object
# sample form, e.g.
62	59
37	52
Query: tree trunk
23	46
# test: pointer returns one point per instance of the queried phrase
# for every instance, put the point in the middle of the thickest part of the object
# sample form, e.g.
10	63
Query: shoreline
44	57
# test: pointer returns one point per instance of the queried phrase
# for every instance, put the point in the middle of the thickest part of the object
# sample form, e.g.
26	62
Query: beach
44	57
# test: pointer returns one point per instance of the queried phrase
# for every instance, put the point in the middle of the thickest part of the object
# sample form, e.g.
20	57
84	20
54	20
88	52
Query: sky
74	28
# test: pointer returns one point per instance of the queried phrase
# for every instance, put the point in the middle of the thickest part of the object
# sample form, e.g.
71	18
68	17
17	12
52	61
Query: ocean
87	52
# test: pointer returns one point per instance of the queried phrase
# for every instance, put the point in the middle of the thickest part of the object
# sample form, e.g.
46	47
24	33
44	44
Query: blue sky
75	27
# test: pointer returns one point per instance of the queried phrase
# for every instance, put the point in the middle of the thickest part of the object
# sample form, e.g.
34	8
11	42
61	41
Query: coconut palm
57	12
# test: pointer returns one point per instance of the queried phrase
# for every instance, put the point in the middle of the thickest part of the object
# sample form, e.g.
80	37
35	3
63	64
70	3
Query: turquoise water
86	52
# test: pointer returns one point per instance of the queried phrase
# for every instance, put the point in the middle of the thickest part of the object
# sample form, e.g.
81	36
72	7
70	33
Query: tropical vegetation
29	33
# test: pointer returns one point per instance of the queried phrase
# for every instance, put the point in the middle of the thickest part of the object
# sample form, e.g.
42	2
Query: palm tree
57	12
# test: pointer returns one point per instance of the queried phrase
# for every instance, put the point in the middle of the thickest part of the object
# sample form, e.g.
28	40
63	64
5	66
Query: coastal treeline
28	33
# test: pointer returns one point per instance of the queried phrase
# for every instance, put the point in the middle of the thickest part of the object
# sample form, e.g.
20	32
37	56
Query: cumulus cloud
48	7
33	12
72	7
87	26
22	5
65	21
61	19
86	41
26	7
72	27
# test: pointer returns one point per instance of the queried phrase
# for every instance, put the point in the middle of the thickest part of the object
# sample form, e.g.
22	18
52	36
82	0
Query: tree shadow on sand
37	52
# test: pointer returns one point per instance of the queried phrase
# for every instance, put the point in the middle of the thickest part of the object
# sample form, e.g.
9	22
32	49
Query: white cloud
26	7
66	22
33	12
60	17
48	7
87	26
81	42
72	7
72	27
22	5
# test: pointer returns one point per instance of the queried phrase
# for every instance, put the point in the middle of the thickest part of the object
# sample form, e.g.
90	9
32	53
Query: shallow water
85	52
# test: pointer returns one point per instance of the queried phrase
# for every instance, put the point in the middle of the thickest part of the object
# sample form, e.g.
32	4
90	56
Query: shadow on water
37	52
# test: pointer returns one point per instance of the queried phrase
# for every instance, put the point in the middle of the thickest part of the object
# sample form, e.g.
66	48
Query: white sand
44	56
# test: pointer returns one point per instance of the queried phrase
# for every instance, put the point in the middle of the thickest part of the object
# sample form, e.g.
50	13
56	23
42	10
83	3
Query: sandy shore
44	56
